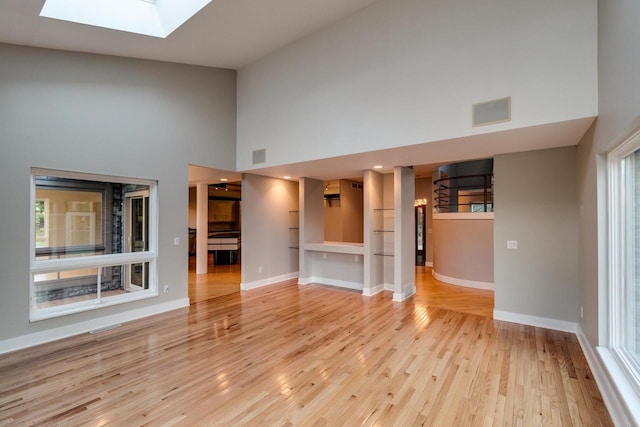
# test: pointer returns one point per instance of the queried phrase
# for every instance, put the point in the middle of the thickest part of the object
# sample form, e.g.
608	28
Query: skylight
156	18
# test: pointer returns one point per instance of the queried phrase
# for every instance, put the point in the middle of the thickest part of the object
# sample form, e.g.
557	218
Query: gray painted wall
105	115
464	249
374	80
619	114
266	238
344	218
535	204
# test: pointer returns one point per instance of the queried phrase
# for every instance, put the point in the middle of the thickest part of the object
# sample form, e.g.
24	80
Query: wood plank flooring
219	280
289	355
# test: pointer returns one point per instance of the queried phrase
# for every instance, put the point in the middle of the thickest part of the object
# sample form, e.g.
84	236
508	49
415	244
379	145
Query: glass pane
67	218
75	217
631	168
137	225
64	287
137	220
137	277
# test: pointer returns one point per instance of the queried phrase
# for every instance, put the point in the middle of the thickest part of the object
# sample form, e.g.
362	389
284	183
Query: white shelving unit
294	229
385	261
384	232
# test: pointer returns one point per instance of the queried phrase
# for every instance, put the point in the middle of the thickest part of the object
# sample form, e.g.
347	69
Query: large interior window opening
624	257
93	242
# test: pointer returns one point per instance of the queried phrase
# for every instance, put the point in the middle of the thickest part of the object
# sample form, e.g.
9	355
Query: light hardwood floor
219	280
312	355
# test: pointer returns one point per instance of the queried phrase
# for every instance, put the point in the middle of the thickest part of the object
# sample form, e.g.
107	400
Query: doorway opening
215	208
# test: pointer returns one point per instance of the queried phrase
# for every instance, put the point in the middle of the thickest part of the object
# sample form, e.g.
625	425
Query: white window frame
93	261
618	316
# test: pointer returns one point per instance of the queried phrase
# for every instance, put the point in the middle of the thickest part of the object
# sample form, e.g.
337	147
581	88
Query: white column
202	227
404	234
311	202
373	264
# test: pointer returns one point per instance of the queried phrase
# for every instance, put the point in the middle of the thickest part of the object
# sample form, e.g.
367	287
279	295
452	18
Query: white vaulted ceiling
224	34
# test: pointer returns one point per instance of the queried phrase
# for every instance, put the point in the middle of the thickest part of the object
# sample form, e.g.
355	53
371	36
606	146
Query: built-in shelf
383	245
336	247
294	223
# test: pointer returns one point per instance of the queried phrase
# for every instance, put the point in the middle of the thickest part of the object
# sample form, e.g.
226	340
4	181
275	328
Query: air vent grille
259	156
490	112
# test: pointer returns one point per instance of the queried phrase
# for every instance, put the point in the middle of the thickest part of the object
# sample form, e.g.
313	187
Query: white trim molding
540	322
489	286
408	290
247	286
48	335
612	383
372	291
331	282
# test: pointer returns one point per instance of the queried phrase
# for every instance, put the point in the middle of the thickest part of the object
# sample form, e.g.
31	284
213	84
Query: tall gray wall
535	204
619	114
112	116
266	223
374	80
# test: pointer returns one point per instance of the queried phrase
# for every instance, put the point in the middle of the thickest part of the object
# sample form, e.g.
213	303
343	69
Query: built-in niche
343	211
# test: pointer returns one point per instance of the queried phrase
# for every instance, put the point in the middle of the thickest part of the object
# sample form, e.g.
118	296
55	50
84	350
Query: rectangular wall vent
356	186
259	156
496	111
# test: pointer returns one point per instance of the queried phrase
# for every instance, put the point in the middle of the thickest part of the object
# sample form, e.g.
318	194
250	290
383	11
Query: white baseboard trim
540	322
428	264
372	291
331	282
408	290
489	286
613	385
42	337
268	281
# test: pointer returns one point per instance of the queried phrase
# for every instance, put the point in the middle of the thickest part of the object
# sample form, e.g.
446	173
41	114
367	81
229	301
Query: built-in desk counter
336	247
334	263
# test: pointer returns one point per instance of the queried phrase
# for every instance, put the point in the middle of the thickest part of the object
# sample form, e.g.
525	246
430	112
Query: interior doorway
215	223
421	235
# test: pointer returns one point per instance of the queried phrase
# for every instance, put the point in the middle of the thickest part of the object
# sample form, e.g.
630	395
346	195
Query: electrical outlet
176	241
324	255
166	289
512	244
581	312
260	269
355	258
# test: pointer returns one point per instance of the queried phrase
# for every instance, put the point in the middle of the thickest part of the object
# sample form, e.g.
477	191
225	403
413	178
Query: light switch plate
512	244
